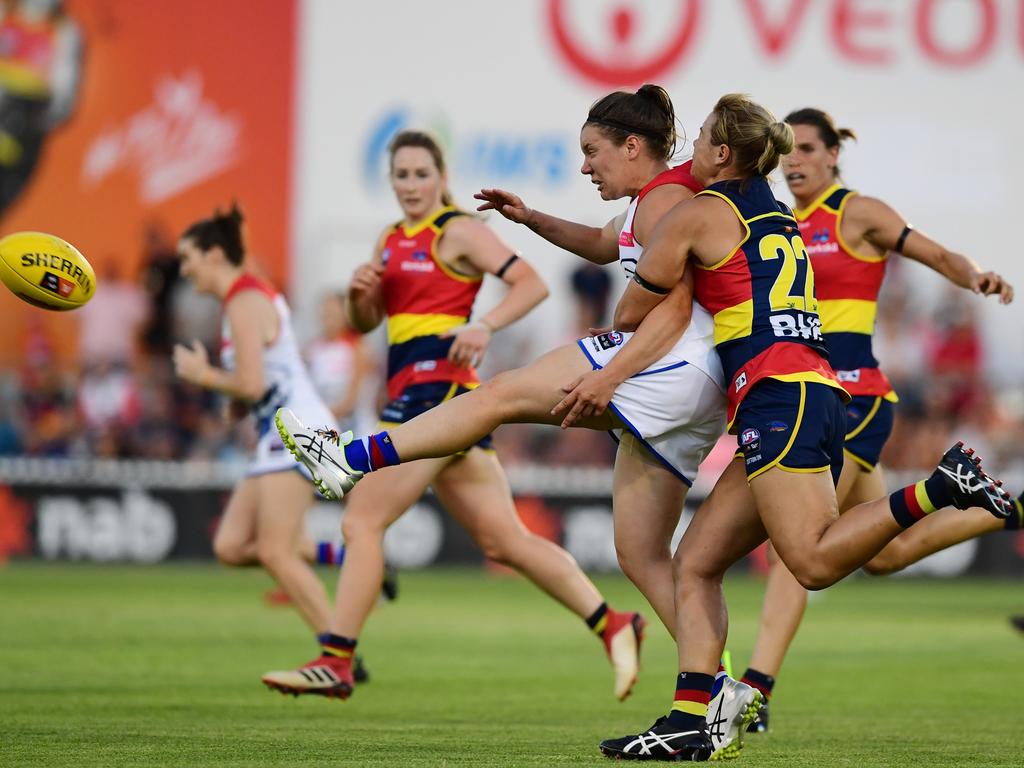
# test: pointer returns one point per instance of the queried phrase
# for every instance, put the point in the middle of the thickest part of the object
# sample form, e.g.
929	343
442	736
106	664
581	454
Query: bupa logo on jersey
543	158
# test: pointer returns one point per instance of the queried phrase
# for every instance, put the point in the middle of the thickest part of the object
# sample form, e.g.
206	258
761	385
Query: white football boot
729	713
321	451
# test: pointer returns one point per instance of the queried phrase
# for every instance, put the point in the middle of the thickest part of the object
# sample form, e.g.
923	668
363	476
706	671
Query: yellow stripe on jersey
847	315
405	326
734	322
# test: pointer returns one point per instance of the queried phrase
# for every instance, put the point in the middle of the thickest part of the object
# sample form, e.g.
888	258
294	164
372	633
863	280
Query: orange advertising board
174	107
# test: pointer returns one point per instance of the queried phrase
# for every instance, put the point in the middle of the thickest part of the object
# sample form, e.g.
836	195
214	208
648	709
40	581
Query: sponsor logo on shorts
750	440
777	426
609	340
754	459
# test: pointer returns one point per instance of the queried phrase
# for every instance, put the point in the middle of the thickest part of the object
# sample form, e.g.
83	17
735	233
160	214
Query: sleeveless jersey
762	298
847	286
423	298
696	345
284	374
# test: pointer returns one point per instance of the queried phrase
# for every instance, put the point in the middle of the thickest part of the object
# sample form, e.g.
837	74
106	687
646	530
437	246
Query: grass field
155	666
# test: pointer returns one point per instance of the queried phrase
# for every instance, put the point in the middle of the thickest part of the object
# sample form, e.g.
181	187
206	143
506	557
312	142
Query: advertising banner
117	117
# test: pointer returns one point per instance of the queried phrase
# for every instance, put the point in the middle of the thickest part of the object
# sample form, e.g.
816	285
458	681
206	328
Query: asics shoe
321	451
622	637
661	742
970	485
327	676
760	723
729	715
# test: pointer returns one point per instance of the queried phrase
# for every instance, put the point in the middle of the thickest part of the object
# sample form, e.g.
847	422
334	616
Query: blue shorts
797	426
869	421
420	398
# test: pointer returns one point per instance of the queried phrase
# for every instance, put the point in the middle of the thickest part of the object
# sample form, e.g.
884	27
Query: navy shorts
797	426
420	398
869	423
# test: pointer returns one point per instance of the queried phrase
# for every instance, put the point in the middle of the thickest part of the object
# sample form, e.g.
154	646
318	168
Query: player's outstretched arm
599	245
885	228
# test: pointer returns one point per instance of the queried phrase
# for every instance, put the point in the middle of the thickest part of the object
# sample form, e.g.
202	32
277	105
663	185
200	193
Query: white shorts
673	407
271	455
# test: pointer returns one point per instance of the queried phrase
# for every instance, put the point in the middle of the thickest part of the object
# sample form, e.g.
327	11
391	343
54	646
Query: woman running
423	280
262	371
849	239
785	403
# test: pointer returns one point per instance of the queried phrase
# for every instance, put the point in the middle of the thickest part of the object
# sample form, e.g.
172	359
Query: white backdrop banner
932	87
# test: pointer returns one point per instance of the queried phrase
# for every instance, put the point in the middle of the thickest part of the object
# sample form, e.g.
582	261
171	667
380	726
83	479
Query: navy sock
764	683
337	645
329	553
598	619
365	454
690	707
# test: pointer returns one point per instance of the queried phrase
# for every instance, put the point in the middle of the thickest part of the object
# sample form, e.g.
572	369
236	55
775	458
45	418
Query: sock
336	646
719	680
365	454
690	707
1016	519
764	683
915	501
329	553
599	620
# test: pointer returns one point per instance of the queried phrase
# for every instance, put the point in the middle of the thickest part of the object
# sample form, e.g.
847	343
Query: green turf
155	666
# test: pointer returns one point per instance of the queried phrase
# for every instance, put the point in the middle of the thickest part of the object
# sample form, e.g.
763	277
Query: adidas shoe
970	485
760	723
325	676
320	451
661	742
622	637
730	713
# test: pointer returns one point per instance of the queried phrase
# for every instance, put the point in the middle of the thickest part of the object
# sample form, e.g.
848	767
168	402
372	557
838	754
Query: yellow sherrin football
46	271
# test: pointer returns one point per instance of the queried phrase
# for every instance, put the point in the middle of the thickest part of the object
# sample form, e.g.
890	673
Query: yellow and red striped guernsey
762	298
424	298
848	284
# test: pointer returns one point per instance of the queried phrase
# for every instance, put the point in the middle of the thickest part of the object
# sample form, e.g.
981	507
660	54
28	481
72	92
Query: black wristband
903	238
646	285
504	267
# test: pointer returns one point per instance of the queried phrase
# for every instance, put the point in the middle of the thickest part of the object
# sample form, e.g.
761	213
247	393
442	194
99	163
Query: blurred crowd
121	399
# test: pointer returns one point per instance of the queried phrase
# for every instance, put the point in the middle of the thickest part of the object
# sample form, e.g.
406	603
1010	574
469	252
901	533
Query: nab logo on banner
623	52
543	158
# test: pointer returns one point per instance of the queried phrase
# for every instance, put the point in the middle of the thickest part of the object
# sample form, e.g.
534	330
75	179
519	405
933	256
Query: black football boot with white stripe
970	485
661	742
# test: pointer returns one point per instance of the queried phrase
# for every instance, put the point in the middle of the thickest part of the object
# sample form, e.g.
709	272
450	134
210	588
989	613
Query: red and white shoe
328	676
622	636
